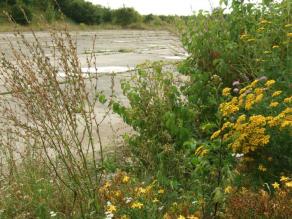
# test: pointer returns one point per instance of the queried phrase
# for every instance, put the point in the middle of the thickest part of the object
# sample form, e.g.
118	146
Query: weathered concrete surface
123	48
115	47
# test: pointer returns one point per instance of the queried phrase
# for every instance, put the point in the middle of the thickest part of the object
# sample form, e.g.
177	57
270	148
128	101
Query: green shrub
21	14
161	119
125	16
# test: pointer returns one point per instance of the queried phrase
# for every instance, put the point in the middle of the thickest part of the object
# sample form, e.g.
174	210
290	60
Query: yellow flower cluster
285	181
137	205
249	133
230	107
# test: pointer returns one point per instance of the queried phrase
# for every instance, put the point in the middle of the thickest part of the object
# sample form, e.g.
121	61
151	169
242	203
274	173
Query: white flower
109	215
161	208
53	214
128	200
238	155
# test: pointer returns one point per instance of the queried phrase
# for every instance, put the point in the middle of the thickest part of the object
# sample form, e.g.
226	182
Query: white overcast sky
161	7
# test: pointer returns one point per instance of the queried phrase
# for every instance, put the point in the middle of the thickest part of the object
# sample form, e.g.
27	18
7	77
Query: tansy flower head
276	93
226	91
270	83
215	134
288	100
274	104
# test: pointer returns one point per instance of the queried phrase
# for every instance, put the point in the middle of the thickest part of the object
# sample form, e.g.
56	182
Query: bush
126	16
84	12
21	14
161	120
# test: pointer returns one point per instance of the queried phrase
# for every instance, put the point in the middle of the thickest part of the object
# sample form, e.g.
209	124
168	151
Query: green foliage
21	14
161	119
125	16
238	46
83	12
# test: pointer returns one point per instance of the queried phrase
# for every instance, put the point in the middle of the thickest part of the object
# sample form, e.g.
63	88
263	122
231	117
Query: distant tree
125	16
21	14
148	18
107	15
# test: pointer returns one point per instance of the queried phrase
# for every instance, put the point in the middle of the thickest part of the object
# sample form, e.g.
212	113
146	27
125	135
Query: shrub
245	44
161	120
125	16
21	14
83	12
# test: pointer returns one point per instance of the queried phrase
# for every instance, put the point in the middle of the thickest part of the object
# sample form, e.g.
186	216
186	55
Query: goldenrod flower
286	123
276	93
137	205
274	104
226	125
241	119
250	101
254	83
276	185
288	100
289	34
270	83
226	91
215	134
259	98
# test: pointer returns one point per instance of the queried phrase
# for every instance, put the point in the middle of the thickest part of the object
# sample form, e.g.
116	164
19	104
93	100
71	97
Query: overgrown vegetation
26	12
210	141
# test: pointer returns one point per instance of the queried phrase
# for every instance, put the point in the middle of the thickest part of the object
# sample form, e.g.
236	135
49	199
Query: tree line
79	11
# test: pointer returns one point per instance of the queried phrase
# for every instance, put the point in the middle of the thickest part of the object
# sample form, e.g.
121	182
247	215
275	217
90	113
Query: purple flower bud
235	83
